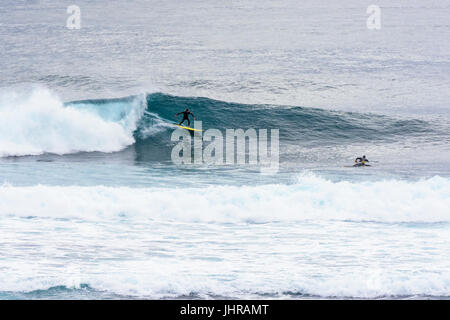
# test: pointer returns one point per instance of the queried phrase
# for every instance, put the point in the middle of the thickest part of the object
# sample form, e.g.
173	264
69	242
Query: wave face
296	124
36	122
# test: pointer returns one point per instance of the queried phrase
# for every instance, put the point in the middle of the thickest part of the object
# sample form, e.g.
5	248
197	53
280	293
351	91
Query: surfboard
358	165
188	128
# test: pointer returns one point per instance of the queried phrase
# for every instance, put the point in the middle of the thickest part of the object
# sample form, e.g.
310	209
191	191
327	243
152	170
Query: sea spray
38	122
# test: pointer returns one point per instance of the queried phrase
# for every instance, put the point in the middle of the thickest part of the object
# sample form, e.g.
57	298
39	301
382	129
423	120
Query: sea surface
93	206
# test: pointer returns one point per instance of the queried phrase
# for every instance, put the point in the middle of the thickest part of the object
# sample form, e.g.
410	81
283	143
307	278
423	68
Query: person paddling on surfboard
186	114
361	161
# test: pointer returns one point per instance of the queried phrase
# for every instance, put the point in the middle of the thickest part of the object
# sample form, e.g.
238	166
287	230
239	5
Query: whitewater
92	205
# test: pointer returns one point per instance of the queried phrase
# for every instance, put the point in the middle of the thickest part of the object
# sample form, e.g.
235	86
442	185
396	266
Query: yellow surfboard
188	128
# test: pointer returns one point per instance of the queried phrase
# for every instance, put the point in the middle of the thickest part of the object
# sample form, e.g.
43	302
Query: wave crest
37	122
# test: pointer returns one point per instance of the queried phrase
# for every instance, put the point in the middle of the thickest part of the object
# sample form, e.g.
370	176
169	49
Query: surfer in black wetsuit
361	161
186	114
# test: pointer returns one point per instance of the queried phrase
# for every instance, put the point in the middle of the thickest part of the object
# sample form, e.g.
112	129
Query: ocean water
92	206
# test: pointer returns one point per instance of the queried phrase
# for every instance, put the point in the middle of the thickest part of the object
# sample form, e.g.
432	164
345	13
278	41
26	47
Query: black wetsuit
361	160
185	117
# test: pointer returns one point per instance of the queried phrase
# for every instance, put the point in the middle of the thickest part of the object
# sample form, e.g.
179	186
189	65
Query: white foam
159	278
36	121
147	242
311	198
158	125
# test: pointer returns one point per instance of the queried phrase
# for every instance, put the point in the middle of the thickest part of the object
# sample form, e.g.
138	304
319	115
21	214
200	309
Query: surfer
186	114
361	161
